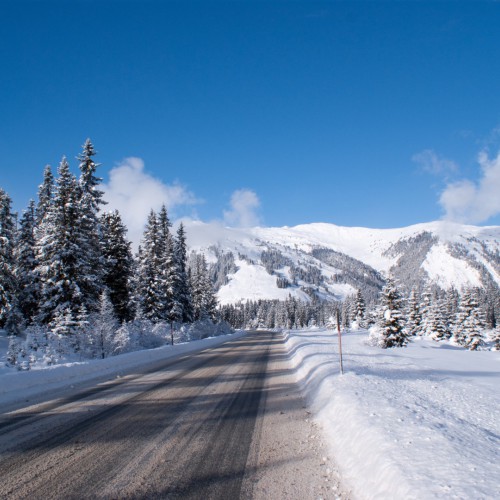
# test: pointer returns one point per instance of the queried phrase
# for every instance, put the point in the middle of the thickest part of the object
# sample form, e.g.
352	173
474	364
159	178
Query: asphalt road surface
226	423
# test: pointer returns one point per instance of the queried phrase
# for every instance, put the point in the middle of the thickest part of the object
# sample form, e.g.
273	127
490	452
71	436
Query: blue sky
378	114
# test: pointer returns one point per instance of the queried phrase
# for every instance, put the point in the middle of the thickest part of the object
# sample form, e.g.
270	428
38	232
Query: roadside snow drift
18	385
417	422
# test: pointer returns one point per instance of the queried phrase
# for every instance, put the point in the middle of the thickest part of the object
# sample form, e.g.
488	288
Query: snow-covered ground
417	422
253	282
20	385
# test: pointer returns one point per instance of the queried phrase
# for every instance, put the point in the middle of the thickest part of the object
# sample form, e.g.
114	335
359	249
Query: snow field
449	271
418	422
253	282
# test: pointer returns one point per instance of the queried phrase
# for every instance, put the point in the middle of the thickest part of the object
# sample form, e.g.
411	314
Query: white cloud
134	192
244	206
429	161
469	202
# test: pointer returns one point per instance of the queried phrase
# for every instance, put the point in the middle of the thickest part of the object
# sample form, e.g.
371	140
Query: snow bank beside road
418	422
17	386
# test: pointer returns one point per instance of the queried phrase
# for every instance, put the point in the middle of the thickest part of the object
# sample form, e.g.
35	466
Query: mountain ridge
332	262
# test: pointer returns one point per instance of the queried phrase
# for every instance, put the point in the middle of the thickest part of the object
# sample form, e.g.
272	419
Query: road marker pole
340	345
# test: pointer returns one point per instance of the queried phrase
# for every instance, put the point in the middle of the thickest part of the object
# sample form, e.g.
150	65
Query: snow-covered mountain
330	261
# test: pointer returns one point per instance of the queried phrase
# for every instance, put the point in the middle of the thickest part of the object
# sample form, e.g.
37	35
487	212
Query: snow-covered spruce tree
117	264
262	310
45	195
203	295
7	277
392	331
169	273
451	301
413	316
65	322
425	307
15	323
281	315
437	321
61	268
183	292
291	312
495	338
148	278
88	181
175	309
469	323
270	321
26	263
90	201
348	311
360	310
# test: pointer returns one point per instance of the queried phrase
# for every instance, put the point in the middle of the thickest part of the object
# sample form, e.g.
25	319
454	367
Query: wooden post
340	345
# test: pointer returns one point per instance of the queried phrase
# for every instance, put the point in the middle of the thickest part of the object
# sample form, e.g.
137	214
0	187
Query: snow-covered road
226	422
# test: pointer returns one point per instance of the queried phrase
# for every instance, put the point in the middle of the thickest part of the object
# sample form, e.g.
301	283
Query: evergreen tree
360	310
414	318
347	311
64	323
452	301
117	265
270	320
45	195
26	263
149	282
175	309
167	272
470	322
393	333
60	266
204	300
281	315
436	321
15	323
425	307
7	277
183	292
90	201
291	312
496	338
88	181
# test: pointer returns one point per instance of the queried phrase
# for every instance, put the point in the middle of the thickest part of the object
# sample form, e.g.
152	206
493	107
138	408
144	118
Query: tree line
66	261
393	320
